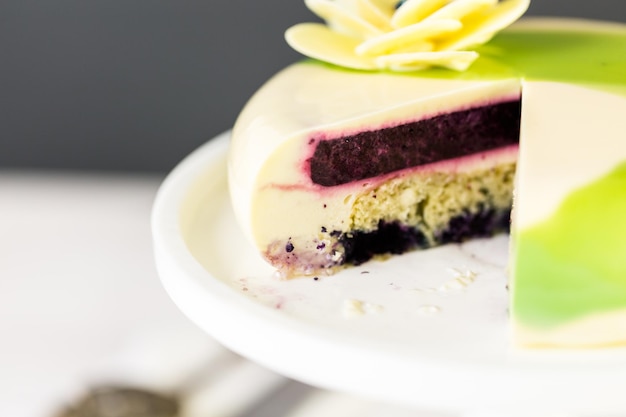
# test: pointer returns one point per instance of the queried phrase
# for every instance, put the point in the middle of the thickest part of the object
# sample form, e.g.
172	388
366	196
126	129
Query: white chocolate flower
417	34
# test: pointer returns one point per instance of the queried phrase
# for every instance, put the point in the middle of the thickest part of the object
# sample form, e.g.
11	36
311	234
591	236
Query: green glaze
591	57
596	59
561	272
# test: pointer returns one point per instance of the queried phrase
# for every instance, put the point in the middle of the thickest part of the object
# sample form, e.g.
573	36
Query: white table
77	281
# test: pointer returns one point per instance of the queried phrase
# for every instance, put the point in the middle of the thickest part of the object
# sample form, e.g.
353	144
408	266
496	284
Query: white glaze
591	331
557	127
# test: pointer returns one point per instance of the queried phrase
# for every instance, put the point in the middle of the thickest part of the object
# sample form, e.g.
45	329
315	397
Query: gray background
135	85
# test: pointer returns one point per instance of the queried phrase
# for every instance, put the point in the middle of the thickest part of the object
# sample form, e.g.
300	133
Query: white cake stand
427	329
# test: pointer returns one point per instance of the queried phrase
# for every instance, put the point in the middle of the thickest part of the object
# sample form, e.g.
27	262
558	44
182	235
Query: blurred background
136	85
99	99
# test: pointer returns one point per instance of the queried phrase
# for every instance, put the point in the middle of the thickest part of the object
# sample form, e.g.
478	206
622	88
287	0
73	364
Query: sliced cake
330	166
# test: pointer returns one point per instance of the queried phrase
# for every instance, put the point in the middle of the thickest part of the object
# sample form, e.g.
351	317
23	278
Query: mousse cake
331	166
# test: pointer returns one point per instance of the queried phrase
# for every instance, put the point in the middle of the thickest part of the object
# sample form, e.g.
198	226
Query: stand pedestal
424	335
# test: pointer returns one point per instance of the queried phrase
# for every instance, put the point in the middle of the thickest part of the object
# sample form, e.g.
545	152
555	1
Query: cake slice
330	167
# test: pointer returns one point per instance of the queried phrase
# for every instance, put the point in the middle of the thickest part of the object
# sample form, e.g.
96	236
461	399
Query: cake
310	215
420	146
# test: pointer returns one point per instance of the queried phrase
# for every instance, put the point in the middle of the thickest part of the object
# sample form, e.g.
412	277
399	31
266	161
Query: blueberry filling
372	153
395	238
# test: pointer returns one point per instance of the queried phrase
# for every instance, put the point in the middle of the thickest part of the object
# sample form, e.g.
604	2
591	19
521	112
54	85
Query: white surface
426	338
81	304
77	284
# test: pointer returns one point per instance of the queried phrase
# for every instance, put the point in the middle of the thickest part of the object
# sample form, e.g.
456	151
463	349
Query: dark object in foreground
123	402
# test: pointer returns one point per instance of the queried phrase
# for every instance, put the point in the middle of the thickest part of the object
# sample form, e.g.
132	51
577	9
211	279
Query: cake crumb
461	280
429	310
425	290
280	274
336	256
356	308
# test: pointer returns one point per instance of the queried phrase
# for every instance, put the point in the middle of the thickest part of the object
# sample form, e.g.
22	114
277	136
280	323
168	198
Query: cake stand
427	329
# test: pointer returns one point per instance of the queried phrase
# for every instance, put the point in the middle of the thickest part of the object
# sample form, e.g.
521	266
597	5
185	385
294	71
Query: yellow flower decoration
402	36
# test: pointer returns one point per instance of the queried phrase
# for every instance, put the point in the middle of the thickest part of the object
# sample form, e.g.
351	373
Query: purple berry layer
396	238
378	152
